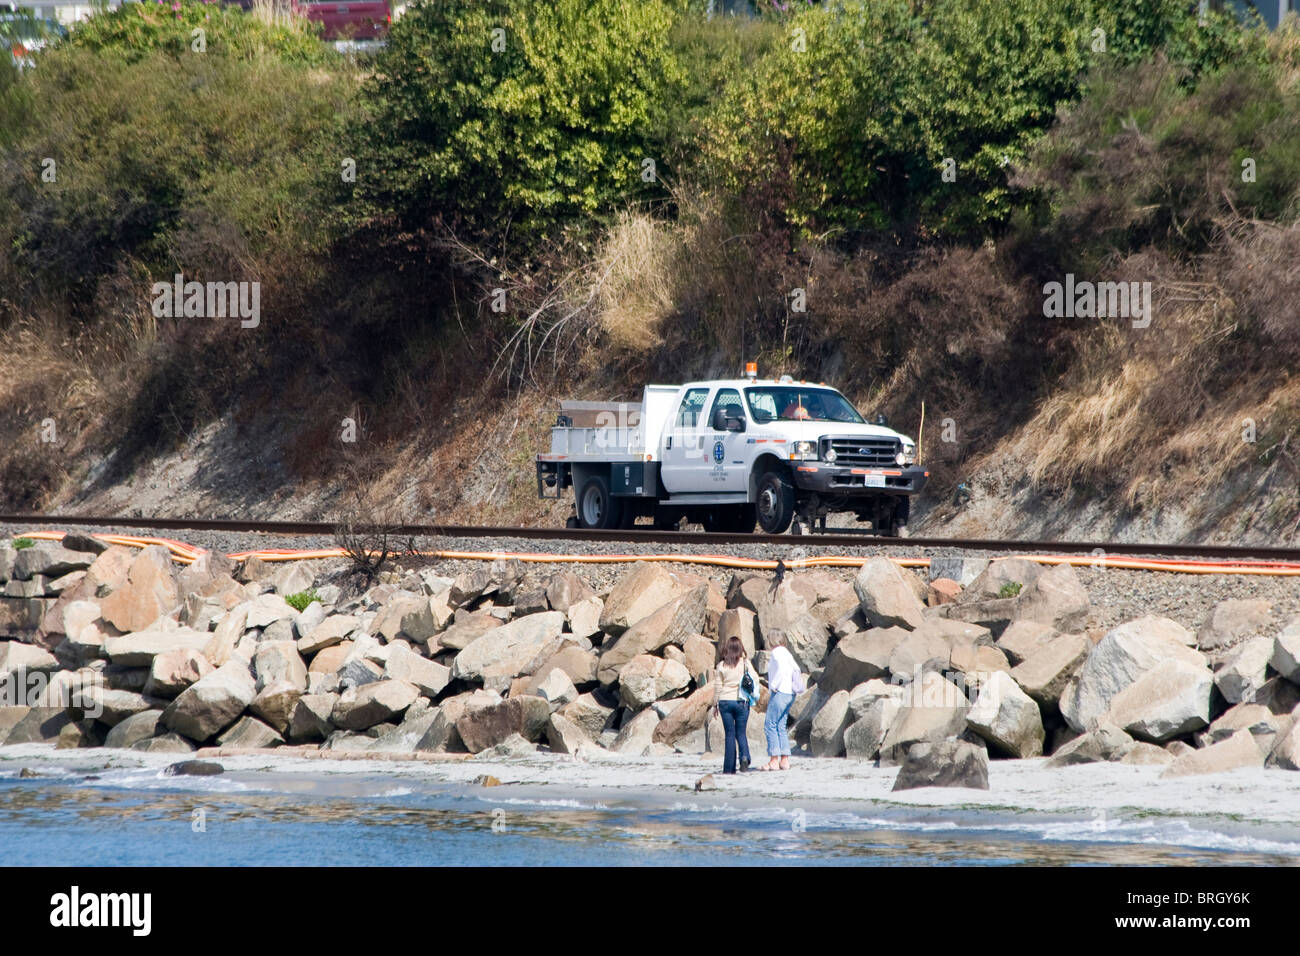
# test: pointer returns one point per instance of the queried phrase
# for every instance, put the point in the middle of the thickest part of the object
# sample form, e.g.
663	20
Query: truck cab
733	453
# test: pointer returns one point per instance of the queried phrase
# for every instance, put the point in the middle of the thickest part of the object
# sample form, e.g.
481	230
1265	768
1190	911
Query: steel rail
1253	553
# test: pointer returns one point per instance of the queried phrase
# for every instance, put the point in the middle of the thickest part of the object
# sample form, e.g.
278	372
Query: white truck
727	454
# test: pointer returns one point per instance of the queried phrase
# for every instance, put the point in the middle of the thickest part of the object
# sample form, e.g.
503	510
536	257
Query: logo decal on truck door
718	451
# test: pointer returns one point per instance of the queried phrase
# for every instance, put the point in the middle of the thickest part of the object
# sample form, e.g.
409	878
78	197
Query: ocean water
139	816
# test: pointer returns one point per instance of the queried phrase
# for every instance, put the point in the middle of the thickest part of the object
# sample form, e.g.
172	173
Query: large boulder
275	704
566	736
1244	670
1237	751
566	589
489	726
645	679
1121	657
944	763
310	720
360	708
1104	744
110	707
860	657
886	597
933	709
742	623
588	713
993	579
669	624
1285	754
249	733
1286	652
133	729
173	671
1006	717
1169	700
212	703
467	629
555	688
644	589
1234	620
279	661
19	658
139	649
864	736
405	664
150	591
1048	670
687	717
921	651
828	726
1022	638
48	560
641	731
505	651
333	630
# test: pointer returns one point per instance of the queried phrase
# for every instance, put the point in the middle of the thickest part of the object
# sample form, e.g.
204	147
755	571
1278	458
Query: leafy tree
512	117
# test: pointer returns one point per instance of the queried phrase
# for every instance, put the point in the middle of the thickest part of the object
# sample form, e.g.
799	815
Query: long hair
732	651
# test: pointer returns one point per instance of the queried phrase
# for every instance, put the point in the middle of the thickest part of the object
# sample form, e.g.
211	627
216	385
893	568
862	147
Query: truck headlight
830	455
908	455
803	449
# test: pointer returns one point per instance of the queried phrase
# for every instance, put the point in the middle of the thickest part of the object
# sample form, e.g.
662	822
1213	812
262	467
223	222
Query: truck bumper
829	480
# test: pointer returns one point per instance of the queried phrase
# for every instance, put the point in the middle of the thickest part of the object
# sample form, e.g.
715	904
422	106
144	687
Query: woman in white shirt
782	673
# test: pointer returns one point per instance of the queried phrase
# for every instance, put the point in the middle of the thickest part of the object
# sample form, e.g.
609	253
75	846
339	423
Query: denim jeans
778	737
735	715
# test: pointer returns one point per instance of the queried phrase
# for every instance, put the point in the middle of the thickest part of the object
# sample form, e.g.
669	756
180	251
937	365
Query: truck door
683	452
726	471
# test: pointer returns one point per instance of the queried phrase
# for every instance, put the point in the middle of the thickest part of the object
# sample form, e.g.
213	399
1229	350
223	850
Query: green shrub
300	600
1010	589
135	30
551	129
201	164
21	543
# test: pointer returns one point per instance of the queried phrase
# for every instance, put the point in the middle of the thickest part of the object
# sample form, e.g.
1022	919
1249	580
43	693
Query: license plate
873	481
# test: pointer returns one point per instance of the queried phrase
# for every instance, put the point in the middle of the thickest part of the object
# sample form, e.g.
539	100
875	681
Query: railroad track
838	539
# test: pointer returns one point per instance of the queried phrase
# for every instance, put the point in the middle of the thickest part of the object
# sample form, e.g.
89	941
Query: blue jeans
735	715
778	737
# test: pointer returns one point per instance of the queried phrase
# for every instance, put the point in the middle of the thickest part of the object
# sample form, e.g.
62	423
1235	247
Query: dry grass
639	283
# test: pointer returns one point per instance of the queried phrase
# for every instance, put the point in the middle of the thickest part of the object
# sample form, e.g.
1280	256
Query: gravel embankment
1117	595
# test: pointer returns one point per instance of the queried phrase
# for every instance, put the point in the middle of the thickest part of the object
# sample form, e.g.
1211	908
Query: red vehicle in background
349	19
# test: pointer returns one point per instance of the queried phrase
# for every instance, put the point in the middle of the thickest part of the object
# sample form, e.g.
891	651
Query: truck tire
596	507
775	504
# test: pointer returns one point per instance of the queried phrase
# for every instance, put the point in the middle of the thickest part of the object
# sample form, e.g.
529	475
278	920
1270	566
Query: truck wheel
775	503
596	507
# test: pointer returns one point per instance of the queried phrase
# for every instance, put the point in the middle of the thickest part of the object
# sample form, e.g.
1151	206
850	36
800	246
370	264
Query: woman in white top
782	673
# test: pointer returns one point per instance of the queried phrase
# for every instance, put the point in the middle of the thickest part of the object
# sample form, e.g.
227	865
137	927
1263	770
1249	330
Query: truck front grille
864	452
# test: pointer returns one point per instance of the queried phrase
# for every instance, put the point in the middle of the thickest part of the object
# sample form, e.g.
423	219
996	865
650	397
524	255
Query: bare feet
785	763
772	765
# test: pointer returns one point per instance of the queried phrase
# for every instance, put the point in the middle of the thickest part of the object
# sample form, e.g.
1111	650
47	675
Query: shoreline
1122	805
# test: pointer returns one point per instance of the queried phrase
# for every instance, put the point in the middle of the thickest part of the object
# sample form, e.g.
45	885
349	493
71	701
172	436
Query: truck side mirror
724	422
881	420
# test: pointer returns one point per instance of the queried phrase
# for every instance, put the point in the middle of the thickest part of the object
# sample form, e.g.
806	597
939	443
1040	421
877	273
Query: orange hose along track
187	554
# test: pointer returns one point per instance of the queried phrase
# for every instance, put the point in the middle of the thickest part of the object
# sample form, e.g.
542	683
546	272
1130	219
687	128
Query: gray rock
311	717
1007	718
864	736
945	763
1243	670
506	650
1234	620
1169	700
829	726
131	730
1237	751
250	732
372	704
886	597
212	703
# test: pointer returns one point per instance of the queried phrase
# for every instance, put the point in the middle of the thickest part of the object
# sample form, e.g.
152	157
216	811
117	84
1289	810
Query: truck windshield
797	403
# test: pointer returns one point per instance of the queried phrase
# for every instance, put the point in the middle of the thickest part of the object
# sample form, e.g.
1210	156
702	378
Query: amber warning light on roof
751	370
